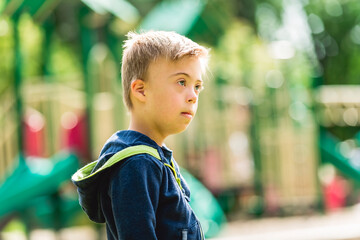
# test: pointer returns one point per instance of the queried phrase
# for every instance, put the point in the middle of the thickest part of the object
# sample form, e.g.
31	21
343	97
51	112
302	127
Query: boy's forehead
182	65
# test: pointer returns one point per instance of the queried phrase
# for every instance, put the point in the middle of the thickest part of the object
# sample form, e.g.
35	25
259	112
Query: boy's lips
187	114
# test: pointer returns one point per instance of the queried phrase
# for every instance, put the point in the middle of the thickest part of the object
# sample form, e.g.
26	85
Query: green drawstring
172	167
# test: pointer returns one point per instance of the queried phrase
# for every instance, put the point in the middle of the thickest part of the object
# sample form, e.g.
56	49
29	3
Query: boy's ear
138	89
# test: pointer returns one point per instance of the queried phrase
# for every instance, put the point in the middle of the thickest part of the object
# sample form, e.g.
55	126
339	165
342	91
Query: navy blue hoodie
139	197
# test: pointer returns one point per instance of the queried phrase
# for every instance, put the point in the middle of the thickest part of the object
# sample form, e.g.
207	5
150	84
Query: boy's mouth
187	114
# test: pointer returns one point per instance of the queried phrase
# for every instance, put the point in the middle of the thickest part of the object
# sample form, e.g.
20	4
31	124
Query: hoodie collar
131	138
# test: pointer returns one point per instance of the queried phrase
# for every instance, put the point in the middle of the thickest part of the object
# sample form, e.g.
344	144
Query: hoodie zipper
201	232
178	180
172	167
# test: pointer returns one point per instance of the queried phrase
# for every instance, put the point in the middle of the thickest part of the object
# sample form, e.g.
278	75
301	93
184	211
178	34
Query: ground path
341	225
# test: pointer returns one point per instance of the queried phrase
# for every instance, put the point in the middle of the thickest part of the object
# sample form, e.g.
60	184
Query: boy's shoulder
143	155
122	148
137	156
140	164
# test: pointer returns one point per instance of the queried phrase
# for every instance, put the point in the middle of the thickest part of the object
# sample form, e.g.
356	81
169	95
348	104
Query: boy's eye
199	87
182	82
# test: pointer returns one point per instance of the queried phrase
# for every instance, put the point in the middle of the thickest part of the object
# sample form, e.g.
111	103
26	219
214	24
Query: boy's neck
141	128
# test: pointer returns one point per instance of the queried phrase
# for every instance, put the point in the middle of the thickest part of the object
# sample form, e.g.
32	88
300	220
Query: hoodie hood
90	179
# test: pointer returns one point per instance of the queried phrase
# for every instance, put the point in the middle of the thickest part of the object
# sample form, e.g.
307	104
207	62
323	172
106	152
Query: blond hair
141	49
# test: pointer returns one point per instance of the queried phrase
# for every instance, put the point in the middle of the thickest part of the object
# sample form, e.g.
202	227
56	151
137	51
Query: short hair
140	49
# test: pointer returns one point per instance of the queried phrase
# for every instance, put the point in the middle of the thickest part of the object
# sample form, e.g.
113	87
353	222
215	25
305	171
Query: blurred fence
51	110
288	150
339	105
8	133
289	163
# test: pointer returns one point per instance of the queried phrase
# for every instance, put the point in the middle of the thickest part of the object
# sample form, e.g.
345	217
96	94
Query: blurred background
275	145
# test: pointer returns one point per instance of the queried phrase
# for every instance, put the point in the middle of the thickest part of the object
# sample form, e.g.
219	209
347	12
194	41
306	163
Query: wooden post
17	83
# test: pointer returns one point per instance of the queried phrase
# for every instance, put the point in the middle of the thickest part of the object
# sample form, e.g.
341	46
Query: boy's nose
192	97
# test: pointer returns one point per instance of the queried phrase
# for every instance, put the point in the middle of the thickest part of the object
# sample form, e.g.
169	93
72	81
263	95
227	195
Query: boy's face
172	90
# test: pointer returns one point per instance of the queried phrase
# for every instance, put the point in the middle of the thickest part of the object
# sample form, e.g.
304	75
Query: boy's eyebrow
184	73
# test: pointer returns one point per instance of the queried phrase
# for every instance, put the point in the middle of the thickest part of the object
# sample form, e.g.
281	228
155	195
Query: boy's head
140	50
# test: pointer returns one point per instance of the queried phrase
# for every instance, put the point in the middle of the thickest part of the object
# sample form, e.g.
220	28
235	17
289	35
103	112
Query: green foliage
6	44
337	39
30	45
64	60
238	53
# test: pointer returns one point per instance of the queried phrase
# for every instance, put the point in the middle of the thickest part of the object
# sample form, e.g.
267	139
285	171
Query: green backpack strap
85	172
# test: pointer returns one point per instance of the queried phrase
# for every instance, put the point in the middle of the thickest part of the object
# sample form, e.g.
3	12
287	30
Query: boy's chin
180	129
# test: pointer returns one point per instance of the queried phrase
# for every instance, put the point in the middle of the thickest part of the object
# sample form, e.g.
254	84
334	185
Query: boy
141	197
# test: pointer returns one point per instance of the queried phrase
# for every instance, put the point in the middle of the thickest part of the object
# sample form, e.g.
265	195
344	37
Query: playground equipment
35	177
338	108
331	153
35	182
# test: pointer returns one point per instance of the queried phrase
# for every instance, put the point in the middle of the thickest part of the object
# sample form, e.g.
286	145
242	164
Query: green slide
205	206
331	153
34	178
